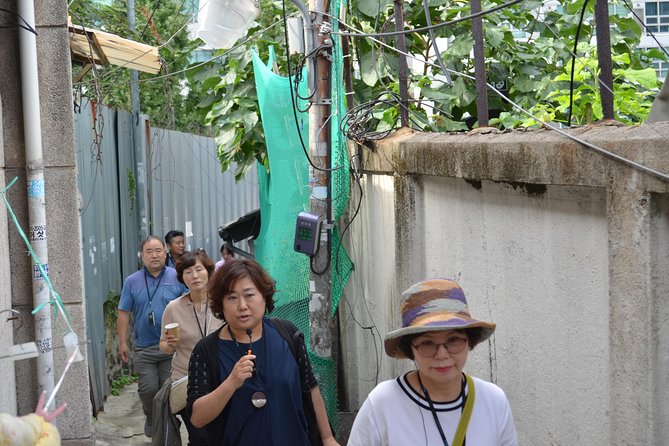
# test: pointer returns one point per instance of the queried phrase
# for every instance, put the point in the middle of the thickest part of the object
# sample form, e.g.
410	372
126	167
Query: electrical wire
643	23
594	72
213	58
426	7
427	28
293	100
583	142
26	26
148	21
141	54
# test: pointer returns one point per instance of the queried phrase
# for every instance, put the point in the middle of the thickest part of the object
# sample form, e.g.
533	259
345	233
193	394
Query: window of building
657	17
661	68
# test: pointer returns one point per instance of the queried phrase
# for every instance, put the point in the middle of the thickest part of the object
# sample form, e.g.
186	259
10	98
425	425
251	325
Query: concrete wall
62	210
564	248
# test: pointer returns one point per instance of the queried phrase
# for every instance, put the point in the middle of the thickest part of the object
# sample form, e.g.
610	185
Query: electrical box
307	233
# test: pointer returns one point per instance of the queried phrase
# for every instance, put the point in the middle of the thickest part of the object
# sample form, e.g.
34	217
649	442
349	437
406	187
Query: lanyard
198	319
461	432
146	283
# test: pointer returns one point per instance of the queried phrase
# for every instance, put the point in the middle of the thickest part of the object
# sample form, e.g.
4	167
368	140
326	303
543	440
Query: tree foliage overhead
168	101
526	45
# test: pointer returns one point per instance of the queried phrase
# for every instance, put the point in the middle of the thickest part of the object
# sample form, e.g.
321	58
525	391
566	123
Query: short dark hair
171	234
190	258
148	239
473	338
224	279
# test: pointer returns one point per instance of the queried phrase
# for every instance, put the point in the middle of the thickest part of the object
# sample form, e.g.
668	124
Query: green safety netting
284	192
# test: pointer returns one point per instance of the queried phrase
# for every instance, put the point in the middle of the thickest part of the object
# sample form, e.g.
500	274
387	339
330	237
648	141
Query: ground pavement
122	422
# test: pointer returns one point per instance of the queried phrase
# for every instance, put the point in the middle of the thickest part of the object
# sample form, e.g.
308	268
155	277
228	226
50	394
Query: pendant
259	399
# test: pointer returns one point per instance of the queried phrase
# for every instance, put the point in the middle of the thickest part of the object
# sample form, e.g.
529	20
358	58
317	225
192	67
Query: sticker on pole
38	233
36	272
35	188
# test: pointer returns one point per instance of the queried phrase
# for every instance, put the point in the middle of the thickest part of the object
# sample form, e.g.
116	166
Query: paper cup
173	329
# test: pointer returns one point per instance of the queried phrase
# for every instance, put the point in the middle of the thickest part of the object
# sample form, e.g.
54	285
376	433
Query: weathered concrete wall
7	399
62	209
659	245
564	248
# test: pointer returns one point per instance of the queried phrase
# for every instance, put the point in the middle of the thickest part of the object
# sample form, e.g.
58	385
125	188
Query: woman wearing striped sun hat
437	403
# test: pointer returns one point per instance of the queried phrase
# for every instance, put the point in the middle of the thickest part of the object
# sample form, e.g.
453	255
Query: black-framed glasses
453	345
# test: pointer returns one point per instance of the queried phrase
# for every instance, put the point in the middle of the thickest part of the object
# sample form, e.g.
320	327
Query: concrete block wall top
538	156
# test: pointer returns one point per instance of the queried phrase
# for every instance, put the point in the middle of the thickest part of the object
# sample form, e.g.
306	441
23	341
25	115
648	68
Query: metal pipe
603	34
141	172
402	61
310	39
479	65
32	130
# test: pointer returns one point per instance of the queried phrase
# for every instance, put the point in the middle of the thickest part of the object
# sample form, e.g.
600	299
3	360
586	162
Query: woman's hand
242	371
172	340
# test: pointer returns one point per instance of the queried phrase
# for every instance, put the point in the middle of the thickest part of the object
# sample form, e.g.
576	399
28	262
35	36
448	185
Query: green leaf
494	36
646	77
373	8
462	46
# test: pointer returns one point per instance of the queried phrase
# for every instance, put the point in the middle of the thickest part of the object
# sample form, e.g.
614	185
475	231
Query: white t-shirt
395	415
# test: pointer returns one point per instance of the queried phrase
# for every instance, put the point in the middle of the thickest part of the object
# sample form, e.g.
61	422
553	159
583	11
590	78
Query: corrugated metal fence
187	191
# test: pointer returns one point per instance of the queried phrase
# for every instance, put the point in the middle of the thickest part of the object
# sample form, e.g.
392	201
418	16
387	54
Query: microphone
249	333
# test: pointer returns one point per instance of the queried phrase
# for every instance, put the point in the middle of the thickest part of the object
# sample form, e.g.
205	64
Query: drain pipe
37	229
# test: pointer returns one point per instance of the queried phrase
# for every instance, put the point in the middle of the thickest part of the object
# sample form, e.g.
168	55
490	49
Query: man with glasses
145	294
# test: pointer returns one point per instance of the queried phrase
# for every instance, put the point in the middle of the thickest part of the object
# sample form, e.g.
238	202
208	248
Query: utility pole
320	287
140	155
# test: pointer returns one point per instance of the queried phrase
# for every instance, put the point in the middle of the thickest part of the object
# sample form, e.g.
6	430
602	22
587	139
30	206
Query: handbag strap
466	413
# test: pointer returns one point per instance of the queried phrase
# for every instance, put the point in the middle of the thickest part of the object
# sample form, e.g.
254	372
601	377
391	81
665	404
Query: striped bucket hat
434	305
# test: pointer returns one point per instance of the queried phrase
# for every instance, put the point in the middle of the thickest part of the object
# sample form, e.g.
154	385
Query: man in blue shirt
145	294
176	245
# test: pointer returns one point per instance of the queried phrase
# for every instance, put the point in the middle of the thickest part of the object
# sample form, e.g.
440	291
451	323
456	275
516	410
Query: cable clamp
326	28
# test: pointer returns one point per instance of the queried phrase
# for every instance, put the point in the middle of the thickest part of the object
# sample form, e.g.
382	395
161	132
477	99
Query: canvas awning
93	46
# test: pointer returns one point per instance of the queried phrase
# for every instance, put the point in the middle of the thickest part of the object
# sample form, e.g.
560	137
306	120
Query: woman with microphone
246	385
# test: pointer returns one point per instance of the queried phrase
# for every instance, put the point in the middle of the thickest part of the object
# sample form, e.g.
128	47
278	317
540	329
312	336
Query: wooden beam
80	75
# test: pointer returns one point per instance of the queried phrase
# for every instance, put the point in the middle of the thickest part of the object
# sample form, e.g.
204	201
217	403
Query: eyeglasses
453	346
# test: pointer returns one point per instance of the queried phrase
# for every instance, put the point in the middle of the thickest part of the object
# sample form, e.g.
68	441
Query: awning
246	226
90	46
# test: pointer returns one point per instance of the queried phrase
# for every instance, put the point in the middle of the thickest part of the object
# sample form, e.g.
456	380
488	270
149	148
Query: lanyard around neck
198	319
461	431
146	283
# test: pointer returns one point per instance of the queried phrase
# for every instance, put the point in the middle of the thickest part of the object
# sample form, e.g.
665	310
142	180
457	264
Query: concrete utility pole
140	155
320	286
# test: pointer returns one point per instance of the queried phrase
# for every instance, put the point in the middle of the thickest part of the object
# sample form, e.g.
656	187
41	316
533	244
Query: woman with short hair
246	379
191	311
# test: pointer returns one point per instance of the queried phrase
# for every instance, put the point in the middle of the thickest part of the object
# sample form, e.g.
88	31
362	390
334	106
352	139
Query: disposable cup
173	329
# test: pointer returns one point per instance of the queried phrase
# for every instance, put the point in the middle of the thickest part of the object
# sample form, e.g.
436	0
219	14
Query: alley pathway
122	422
